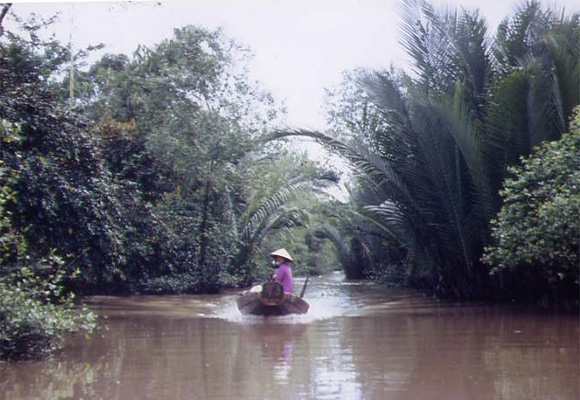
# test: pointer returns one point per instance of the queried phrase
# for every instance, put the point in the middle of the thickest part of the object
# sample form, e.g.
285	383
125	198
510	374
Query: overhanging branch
5	8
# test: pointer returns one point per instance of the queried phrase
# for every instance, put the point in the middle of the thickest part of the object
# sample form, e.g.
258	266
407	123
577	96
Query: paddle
304	287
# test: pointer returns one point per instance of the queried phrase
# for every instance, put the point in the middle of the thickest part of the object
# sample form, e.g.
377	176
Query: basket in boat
272	294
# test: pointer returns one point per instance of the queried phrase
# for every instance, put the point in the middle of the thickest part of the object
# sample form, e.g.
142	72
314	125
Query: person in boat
275	297
282	260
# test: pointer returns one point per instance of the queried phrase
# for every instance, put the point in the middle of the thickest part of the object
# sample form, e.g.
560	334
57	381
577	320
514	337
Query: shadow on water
359	341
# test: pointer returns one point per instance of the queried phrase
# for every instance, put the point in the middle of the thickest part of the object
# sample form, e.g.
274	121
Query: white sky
300	46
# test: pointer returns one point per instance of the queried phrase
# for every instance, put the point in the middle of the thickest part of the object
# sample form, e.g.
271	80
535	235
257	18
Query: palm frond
338	240
284	218
563	43
519	38
259	219
360	156
428	45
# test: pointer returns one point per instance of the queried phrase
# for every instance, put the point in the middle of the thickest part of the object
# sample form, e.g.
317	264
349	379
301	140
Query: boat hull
251	304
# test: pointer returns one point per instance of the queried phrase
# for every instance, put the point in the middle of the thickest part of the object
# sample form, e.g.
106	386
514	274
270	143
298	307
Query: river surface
359	341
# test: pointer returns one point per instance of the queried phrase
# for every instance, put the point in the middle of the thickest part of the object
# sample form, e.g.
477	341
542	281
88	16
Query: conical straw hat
282	253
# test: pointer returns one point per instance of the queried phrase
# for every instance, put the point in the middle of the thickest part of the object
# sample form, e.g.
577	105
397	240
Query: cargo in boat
269	299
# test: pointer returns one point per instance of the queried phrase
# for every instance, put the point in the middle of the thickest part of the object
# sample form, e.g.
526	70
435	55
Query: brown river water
359	341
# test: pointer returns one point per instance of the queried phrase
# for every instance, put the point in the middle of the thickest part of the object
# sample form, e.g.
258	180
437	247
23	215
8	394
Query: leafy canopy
539	223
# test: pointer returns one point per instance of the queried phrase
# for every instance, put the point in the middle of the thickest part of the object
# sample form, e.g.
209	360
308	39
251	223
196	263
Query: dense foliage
150	177
142	173
36	312
64	191
538	226
431	149
157	172
35	309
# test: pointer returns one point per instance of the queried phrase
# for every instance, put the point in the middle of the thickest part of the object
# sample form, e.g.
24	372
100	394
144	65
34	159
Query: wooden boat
270	300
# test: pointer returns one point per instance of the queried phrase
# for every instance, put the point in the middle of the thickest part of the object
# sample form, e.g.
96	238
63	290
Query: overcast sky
300	46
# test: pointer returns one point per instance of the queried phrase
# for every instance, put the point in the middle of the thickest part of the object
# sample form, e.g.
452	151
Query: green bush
539	225
35	313
35	310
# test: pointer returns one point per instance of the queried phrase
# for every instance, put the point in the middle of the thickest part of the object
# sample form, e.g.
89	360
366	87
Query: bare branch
5	8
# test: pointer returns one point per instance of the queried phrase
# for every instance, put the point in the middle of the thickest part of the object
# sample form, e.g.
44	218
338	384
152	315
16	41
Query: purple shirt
283	276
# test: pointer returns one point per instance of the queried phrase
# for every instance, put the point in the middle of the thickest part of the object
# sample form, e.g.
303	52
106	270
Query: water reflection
276	343
359	343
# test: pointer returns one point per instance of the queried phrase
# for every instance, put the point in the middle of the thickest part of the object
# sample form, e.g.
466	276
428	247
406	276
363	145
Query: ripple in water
329	297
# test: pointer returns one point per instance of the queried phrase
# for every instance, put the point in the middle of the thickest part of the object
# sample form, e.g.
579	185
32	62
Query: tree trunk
203	236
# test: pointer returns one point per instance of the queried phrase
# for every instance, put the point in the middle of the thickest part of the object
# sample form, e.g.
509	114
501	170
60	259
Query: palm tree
471	107
269	209
537	60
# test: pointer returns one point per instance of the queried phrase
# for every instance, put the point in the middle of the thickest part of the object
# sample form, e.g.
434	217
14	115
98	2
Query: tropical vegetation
165	171
431	148
134	174
536	232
